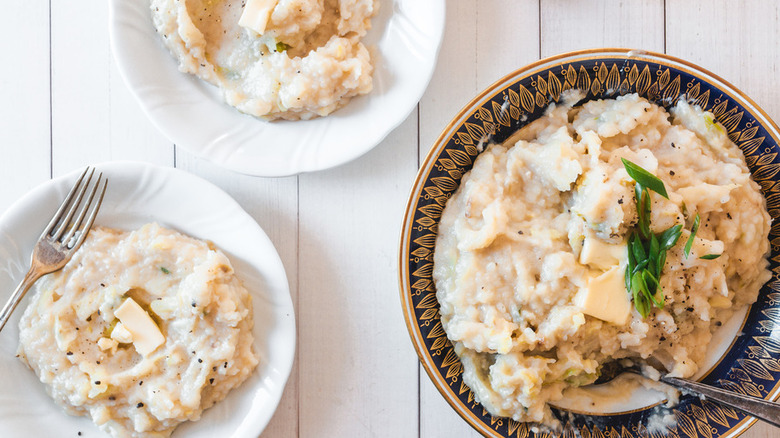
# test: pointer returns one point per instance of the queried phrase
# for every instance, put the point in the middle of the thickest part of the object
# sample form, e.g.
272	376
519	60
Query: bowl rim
462	115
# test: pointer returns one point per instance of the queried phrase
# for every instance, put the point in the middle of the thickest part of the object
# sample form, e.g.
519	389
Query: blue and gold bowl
751	362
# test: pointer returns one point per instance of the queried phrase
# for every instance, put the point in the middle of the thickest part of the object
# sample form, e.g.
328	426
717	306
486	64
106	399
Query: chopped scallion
694	229
710	256
645	178
670	237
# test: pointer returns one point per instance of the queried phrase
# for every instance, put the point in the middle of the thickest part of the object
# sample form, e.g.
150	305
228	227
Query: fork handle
31	277
753	406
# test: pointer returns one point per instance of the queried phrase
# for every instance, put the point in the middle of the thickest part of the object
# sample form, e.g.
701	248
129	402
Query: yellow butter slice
599	254
256	14
605	297
146	336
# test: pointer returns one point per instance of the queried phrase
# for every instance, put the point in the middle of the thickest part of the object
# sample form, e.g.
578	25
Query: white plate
406	35
139	193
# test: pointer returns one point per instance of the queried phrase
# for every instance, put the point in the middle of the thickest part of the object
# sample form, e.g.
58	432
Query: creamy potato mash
289	59
140	331
531	252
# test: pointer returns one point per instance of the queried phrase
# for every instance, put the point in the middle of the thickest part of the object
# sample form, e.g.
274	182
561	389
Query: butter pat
602	255
146	336
256	14
121	334
605	297
107	344
720	302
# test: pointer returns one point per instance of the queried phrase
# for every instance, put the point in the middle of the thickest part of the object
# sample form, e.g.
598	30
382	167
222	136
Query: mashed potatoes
531	252
141	331
290	59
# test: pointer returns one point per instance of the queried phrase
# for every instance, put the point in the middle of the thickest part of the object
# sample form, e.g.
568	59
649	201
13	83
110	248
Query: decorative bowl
750	359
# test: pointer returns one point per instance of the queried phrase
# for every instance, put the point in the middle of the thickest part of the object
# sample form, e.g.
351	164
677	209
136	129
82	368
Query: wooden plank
737	43
93	116
80	91
358	374
273	203
567	25
483	42
454	80
24	107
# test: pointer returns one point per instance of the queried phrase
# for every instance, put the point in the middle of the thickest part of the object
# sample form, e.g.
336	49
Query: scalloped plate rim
263	389
320	143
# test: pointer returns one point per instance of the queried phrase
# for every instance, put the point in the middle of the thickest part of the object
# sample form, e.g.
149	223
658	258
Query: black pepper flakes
70	353
671	172
97	382
140	383
211	380
200	360
194	304
139	405
111	397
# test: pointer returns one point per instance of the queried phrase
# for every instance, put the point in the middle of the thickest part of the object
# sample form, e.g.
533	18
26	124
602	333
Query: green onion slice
655	248
645	178
660	263
638	250
670	237
640	293
694	229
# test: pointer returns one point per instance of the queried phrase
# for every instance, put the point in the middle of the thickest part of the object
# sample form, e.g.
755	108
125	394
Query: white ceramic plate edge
407	41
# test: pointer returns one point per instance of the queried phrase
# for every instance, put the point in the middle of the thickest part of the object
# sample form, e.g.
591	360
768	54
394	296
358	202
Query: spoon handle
756	407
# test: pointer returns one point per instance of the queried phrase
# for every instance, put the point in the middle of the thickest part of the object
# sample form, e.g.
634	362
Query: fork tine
73	207
92	214
58	215
74	228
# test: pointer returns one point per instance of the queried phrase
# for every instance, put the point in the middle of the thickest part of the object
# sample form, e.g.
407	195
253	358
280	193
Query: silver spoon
753	406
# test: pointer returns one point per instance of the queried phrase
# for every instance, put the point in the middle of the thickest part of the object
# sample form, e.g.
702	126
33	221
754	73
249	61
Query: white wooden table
63	105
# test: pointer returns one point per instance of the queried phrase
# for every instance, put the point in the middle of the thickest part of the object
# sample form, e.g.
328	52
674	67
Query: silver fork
62	237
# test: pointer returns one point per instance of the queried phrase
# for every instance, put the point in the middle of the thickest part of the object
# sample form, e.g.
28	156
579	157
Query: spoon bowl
756	407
